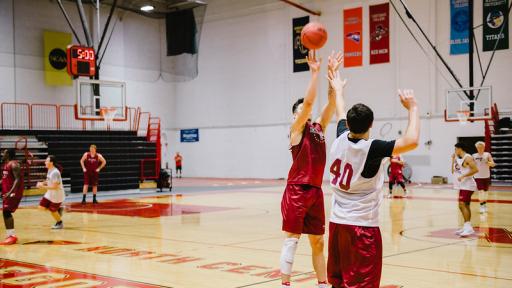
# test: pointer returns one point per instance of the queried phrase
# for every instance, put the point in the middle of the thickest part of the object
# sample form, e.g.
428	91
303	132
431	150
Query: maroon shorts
355	256
465	196
91	178
49	205
482	183
302	208
396	178
11	203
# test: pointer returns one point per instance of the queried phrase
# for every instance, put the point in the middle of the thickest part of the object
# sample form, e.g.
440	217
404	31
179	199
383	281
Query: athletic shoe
467	231
9	240
390	195
405	193
94	201
83	202
482	209
58	225
457	232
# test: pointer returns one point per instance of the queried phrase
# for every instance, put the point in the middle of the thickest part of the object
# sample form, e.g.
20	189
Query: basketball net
463	116
108	115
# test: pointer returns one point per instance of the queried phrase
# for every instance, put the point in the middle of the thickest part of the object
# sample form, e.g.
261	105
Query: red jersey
396	168
309	157
8	179
178	160
92	163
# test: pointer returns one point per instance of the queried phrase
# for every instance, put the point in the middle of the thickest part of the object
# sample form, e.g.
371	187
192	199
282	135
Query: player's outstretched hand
407	99
335	80
314	64
335	61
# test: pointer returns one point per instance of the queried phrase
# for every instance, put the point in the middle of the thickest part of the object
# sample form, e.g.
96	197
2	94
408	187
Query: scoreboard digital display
81	61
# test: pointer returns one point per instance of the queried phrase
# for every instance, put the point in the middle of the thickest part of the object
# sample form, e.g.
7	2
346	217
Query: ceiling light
147	8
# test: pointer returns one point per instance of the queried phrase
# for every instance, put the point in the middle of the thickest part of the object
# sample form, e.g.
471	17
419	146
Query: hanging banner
299	51
495	20
379	33
55	60
353	36
459	32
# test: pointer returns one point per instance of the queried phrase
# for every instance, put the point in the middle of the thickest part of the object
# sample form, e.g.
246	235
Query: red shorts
396	178
482	183
355	256
49	205
11	203
302	208
465	196
91	178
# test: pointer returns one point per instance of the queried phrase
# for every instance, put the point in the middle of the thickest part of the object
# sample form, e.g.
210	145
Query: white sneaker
467	231
482	209
58	226
405	194
457	232
390	196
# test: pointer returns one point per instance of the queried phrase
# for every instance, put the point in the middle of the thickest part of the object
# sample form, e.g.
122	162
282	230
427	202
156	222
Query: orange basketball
313	35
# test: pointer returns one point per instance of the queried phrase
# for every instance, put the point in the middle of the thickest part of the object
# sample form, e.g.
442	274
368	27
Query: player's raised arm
335	90
409	141
303	114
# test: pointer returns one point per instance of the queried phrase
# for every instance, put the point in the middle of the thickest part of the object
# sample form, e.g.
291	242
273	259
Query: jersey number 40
341	179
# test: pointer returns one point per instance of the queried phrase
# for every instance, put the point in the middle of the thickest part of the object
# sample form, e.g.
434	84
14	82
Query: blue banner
459	34
190	135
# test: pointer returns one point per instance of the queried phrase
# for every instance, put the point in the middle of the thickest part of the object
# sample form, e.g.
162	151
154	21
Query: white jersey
55	195
468	183
356	200
483	168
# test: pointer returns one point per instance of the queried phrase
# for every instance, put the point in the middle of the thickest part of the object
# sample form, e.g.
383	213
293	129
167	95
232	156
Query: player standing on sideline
484	162
463	168
357	178
12	192
302	205
178	160
395	175
54	196
91	163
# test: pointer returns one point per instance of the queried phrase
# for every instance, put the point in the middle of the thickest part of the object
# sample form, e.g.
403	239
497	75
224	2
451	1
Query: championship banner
353	37
379	33
299	51
55	62
495	20
459	32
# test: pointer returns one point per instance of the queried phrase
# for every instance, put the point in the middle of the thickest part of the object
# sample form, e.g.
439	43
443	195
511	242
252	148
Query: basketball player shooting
302	206
357	179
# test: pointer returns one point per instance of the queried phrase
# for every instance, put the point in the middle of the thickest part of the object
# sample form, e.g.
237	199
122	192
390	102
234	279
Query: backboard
460	109
94	96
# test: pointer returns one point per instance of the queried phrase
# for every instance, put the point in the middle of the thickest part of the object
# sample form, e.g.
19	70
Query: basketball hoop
463	116
108	114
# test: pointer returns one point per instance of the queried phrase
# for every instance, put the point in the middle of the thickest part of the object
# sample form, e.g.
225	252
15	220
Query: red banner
353	36
379	33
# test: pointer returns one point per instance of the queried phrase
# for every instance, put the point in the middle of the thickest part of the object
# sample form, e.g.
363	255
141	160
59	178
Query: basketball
313	35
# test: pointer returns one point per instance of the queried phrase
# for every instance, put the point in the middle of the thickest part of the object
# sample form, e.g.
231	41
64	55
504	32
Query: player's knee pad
7	214
288	254
482	195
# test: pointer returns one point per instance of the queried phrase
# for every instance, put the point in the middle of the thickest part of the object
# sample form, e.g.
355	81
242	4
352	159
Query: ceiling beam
302	7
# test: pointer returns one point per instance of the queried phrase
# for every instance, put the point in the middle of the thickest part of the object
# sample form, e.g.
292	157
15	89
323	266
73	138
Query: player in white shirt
54	196
463	169
357	179
484	162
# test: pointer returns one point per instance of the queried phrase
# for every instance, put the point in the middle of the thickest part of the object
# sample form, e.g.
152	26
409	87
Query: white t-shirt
356	200
468	183
483	168
55	195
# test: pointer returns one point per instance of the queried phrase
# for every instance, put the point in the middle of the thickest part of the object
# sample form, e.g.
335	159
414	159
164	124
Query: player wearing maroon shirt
395	174
92	163
302	206
12	192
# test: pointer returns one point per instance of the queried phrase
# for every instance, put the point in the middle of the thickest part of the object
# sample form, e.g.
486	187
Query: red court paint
142	209
491	234
15	274
52	242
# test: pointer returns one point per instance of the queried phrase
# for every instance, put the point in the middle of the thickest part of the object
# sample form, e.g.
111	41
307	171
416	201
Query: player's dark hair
296	105
12	153
52	159
462	146
359	118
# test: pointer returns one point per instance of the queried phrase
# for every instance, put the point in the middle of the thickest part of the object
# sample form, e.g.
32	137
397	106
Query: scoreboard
81	61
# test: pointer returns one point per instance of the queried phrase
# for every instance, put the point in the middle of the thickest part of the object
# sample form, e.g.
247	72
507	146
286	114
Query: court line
450	272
